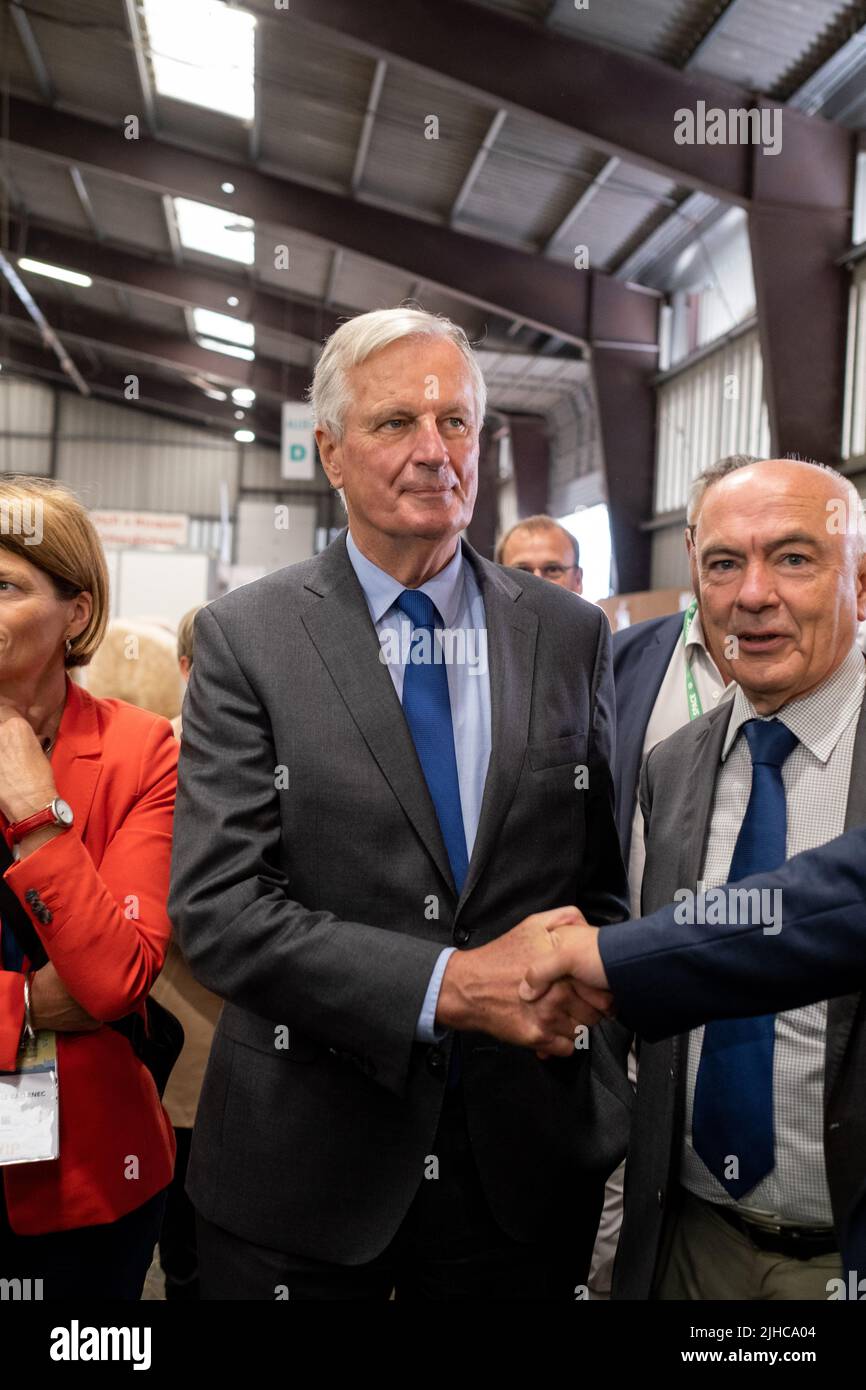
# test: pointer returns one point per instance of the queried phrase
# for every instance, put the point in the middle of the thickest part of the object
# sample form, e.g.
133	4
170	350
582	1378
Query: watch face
63	811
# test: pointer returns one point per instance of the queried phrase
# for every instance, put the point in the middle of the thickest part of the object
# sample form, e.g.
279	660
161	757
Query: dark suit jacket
669	976
322	905
677	790
640	658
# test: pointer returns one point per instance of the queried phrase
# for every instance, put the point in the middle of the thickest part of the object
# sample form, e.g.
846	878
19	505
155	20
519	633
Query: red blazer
105	882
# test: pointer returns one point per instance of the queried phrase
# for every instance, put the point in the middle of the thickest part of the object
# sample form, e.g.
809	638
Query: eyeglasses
546	571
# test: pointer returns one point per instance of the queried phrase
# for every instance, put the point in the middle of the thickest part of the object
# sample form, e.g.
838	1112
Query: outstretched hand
574	959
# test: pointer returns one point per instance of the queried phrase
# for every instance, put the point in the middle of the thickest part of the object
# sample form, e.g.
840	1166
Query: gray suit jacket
311	889
677	792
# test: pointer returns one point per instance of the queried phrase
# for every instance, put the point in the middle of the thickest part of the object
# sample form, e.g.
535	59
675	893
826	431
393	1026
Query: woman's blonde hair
184	633
42	522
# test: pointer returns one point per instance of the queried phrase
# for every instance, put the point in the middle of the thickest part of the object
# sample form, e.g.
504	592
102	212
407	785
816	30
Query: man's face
781	593
548	553
408	459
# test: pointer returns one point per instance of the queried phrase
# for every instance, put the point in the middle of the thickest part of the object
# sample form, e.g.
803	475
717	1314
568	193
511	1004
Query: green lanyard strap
693	699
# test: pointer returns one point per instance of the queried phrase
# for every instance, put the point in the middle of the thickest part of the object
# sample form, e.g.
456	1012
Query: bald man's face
547	553
781	593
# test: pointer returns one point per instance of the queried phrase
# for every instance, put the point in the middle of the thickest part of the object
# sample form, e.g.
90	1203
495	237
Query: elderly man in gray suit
735	1187
396	769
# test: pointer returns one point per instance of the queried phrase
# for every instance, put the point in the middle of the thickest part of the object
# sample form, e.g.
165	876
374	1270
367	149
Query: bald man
734	1184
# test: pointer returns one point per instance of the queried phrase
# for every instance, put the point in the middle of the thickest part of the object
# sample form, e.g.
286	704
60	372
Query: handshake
537	986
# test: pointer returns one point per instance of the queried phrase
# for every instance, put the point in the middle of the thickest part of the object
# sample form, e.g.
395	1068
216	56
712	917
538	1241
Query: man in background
539	545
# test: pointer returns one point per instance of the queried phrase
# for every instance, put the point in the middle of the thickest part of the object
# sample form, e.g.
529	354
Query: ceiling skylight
209	324
230	349
203	52
203	228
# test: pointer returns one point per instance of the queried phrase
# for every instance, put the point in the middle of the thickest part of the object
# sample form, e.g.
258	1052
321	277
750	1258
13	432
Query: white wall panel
669	567
261	543
25	406
711	409
116	456
21	455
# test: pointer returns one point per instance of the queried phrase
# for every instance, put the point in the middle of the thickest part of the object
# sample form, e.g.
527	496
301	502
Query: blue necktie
733	1106
427	709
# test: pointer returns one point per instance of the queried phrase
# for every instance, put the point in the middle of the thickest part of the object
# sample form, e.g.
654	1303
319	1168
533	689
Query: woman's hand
26	780
52	1006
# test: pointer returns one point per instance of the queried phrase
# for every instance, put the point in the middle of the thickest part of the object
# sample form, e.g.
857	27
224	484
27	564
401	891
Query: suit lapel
701	778
841	1012
340	627
76	762
512	631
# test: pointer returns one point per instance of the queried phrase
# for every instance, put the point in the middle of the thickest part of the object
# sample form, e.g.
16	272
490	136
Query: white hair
358	338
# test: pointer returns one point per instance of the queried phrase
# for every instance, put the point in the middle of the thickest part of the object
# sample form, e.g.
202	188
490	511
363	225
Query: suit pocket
556	753
275	1039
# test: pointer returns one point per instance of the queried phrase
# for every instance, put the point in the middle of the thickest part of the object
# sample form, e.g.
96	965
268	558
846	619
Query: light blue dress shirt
457	596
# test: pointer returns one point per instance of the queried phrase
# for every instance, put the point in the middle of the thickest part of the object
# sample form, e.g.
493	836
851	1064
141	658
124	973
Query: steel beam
549	296
626	400
140	57
266	376
191	285
799	232
477	165
530	452
34	54
177	399
367	125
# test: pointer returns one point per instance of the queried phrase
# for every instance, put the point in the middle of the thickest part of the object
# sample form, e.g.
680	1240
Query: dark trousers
91	1262
448	1247
178	1254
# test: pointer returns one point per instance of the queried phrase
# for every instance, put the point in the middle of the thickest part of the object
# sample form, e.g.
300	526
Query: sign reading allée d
298	454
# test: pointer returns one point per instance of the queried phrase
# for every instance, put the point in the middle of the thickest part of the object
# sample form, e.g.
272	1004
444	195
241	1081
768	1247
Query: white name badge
29	1104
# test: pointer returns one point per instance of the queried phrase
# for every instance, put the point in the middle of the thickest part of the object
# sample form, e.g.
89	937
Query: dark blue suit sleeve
668	976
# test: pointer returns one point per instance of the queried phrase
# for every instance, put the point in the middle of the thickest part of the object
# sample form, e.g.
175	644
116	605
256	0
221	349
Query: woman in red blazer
95	892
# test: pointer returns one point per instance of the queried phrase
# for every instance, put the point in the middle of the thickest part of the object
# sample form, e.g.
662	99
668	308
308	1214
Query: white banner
298	455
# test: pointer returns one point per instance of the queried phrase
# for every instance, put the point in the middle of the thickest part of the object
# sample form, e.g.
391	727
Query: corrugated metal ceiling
312	94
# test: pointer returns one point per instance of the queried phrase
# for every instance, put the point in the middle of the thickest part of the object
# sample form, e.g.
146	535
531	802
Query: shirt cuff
425	1029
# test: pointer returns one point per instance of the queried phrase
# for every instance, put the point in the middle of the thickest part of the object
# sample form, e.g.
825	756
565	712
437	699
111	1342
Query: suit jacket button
435	1062
660	1197
461	936
31	896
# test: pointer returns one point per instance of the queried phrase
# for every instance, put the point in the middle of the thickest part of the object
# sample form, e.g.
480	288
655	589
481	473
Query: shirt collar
818	719
697	641
381	590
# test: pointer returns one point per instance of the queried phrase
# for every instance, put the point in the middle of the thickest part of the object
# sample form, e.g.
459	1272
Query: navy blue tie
427	708
733	1106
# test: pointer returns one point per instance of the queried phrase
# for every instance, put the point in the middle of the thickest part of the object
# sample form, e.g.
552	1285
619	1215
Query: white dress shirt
457	596
670	712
